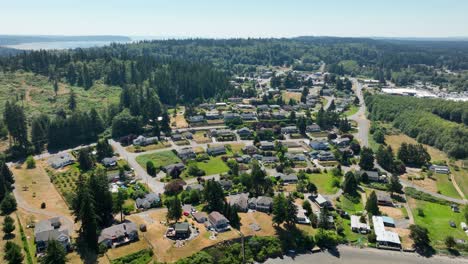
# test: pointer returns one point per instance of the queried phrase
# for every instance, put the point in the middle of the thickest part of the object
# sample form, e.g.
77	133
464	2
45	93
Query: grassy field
445	186
324	182
214	165
289	95
461	177
159	159
395	142
436	219
36	94
350	206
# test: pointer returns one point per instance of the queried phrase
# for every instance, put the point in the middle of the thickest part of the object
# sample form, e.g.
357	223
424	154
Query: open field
37	94
179	121
34	187
159	145
214	165
436	219
350	206
261	219
159	159
324	182
201	137
445	186
290	95
395	142
461	177
236	148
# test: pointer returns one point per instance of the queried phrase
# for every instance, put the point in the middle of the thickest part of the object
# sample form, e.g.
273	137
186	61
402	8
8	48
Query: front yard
325	182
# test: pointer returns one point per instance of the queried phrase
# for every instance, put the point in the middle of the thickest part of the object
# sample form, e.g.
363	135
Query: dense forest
435	122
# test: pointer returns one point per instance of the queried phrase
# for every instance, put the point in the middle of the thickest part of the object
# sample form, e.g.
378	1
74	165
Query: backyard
215	165
325	182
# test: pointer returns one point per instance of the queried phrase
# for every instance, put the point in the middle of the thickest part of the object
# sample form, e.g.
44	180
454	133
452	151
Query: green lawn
436	220
445	186
214	165
461	177
349	206
352	110
159	159
324	182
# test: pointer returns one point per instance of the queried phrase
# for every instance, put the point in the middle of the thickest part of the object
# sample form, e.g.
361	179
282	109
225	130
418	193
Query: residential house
266	145
289	130
51	229
186	154
301	217
194	186
262	108
388	221
177	137
235	99
182	230
109	162
321	201
244	159
250	150
213	115
287	178
218	222
359	227
118	235
200	217
150	200
319	145
385	239
245	132
220	104
440	169
295	157
261	203
225	184
241	201
269	159
61	160
313	128
326	156
169	168
373	176
216	150
196	119
231	116
384	198
144	141
248	116
341	142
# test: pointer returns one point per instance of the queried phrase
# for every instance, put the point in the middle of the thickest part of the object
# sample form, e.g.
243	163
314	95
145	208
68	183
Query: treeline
390	106
425	127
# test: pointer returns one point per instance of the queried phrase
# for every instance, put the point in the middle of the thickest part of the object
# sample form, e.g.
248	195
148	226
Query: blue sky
237	18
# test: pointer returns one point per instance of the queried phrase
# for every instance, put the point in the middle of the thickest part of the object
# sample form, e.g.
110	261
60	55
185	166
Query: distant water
59	45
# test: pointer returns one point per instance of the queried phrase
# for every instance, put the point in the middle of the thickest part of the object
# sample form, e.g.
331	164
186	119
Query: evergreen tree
394	185
279	209
89	222
291	211
15	121
174	209
367	159
150	168
104	149
384	157
99	188
323	222
39	132
302	125
350	184
371	204
8	226
214	196
55	253
56	87
420	237
165	123
304	94
72	101
85	159
8	204
258	179
13	254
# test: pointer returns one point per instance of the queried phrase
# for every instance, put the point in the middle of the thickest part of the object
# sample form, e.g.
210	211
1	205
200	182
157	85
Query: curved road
352	255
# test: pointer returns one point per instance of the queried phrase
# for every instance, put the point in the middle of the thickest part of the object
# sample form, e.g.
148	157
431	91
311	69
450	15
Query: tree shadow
427	251
334	252
454	252
9	236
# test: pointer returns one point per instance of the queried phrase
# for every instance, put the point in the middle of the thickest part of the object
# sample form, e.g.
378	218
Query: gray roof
215	217
240	200
148	200
46	230
182	227
61	159
119	230
264	200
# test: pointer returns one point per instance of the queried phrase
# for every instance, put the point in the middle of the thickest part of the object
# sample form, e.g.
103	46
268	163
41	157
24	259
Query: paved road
360	117
351	255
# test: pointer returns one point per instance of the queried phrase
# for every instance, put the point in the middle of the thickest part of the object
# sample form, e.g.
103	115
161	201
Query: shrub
43	205
30	162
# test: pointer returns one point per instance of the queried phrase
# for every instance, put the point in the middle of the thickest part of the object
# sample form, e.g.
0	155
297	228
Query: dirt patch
406	241
34	187
262	220
164	248
395	142
426	183
179	121
393	212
